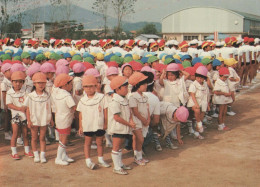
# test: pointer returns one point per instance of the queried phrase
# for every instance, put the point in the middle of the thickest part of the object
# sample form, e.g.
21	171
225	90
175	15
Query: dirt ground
229	158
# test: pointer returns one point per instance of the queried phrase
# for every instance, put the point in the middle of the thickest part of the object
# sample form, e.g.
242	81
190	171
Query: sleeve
9	99
3	87
79	107
70	101
26	101
192	88
216	87
157	109
114	107
132	102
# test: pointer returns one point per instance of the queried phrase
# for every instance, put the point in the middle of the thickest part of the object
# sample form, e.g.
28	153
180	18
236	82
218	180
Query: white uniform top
63	103
141	102
92	110
154	103
17	99
253	50
159	89
5	86
226	52
215	76
193	52
246	49
204	53
77	85
120	106
40	108
201	94
222	87
233	84
175	92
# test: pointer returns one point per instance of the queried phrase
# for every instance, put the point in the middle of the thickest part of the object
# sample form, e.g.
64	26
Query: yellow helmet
100	56
230	61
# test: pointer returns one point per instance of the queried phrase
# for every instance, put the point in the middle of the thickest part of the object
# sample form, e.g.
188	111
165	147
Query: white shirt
154	103
222	87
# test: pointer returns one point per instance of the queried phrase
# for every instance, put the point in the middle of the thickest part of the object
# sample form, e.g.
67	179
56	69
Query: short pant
120	135
98	133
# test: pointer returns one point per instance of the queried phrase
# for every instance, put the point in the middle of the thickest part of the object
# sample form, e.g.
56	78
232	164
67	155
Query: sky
156	10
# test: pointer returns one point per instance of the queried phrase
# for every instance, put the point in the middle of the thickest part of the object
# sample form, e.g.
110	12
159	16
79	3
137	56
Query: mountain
89	19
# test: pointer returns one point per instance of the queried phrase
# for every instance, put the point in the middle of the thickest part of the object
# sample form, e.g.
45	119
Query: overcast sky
155	10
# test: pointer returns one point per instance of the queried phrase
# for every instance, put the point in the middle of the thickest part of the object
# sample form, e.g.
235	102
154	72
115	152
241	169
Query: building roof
150	35
248	16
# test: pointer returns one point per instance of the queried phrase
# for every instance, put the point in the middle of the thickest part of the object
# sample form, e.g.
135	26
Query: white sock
120	158
57	136
36	154
115	158
139	155
42	154
26	149
101	159
135	152
60	152
88	161
14	151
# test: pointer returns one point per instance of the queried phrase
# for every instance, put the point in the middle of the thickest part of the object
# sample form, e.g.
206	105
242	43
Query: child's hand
132	124
228	94
80	132
105	127
23	109
29	124
180	141
197	106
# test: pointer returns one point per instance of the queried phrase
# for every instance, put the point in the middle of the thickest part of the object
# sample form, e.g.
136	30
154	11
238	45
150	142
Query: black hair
150	80
214	68
137	86
125	84
176	73
34	88
79	74
199	75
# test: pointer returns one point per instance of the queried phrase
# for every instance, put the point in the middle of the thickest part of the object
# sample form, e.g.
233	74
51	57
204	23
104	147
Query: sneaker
215	115
15	157
8	136
208	117
91	165
126	167
109	145
231	113
171	146
223	128
120	172
29	154
245	86
68	159
37	159
198	136
104	164
254	82
158	147
145	160
61	162
43	160
93	146
140	162
19	142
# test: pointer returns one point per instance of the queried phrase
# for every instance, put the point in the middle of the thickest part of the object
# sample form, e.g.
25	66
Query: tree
63	29
148	29
14	30
122	8
101	7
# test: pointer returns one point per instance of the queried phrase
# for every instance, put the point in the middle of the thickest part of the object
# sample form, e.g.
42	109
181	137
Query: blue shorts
97	133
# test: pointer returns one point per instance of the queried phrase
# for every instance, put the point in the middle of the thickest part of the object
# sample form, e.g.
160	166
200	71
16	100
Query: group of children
122	100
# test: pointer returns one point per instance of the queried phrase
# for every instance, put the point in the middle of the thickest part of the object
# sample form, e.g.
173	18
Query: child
49	70
199	97
222	96
39	114
138	103
64	107
92	119
122	122
14	100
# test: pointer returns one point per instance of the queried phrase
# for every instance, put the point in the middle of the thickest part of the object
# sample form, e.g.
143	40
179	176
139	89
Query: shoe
158	147
93	146
37	159
19	141
245	86
231	113
171	146
225	128
29	154
8	136
209	118
198	136
215	115
91	165
140	162
61	162
68	159
145	160
104	164
43	160
120	172
15	157
126	167
109	145
254	82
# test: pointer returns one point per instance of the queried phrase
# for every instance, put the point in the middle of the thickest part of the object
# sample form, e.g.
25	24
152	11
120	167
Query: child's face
17	84
209	66
223	78
192	77
127	71
218	67
155	63
234	65
39	86
200	80
68	86
171	76
90	90
49	75
142	88
26	60
110	77
7	74
123	90
68	59
157	75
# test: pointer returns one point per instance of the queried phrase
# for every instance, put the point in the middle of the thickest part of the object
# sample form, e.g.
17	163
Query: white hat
175	42
199	43
141	43
121	43
257	40
239	40
94	42
52	41
193	42
25	41
11	40
218	44
151	40
222	43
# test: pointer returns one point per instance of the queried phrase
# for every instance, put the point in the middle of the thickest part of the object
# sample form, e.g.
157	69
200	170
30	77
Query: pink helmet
92	71
202	70
47	67
62	69
172	67
17	67
78	68
112	71
34	68
182	114
6	67
124	65
62	62
149	69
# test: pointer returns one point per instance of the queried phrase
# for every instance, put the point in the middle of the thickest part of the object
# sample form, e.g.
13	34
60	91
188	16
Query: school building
200	22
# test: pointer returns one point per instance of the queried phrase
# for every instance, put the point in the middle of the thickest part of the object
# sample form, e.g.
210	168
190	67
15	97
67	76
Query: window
189	38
